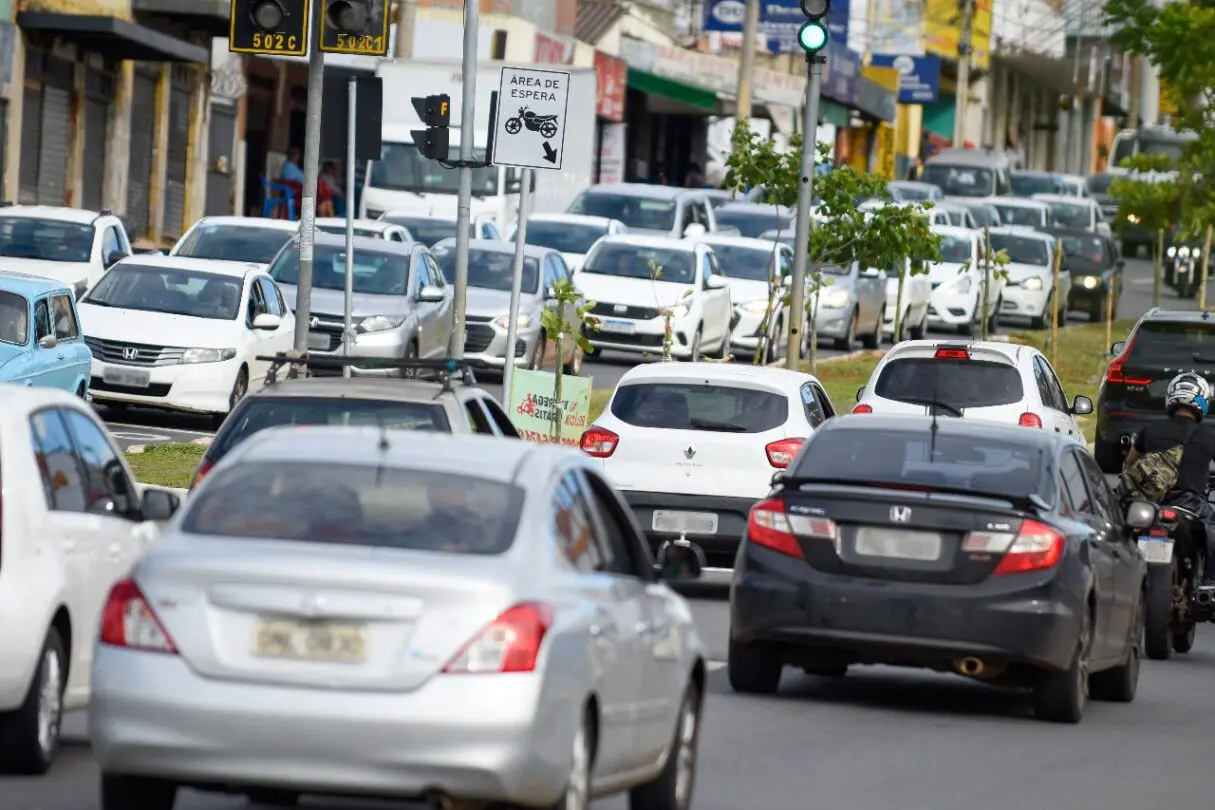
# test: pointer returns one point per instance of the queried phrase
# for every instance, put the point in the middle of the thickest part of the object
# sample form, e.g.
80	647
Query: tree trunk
898	304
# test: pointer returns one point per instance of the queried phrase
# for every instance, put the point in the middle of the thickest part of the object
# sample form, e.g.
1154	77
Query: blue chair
271	203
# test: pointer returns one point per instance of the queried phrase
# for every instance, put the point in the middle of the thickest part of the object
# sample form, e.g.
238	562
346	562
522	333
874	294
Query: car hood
743	290
939	272
155	328
1020	272
637	292
574	260
485	303
66	272
333	302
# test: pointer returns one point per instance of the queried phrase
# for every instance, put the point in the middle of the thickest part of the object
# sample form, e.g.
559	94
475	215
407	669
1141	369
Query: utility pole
746	65
962	99
312	169
468	125
407	12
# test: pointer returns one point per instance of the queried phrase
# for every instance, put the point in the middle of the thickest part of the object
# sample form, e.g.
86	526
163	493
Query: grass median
166	465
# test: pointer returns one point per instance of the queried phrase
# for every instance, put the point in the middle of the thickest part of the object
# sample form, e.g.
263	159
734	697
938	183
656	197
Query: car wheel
672	790
1059	697
1042	321
971	329
1183	642
29	736
873	340
918	331
239	389
411	353
577	794
993	323
1122	682
273	798
537	360
1158	618
574	366
847	343
694	353
130	792
1108	456
753	669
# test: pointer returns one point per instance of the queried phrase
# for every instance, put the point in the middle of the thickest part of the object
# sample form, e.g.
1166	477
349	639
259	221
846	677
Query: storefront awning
112	37
672	90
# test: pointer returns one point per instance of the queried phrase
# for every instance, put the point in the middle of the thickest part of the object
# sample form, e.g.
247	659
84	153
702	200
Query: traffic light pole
805	199
468	123
312	169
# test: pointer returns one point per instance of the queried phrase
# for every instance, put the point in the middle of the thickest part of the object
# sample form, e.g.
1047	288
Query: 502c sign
360	43
277	43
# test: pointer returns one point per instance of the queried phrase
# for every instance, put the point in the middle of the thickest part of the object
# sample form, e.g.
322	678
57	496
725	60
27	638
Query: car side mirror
159	504
680	561
48	342
1141	515
715	283
694	231
430	295
860	392
1082	405
1117	347
267	322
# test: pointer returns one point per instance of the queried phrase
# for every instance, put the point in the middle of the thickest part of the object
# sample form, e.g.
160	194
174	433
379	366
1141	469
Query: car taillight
1035	547
862	408
511	642
952	354
203	469
1168	514
1028	419
770	526
781	453
599	442
127	621
1114	373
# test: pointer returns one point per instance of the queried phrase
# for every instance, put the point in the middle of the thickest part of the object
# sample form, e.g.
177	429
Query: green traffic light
812	37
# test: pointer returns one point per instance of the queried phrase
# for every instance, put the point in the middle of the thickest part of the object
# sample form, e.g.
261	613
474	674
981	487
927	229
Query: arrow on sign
549	153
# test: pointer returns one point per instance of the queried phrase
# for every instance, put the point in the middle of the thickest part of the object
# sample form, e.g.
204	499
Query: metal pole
468	123
516	288
348	330
407	12
962	99
312	160
1055	303
746	64
805	194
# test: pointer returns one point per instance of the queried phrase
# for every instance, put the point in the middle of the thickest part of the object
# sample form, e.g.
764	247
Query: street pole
746	65
348	328
468	123
516	289
962	99
312	168
407	12
805	194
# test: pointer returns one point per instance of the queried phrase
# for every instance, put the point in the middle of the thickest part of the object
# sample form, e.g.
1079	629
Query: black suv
1162	344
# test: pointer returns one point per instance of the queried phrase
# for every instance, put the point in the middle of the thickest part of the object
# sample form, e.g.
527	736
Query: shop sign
612	76
875	100
611	154
698	69
553	50
919	76
531	406
784	89
841	74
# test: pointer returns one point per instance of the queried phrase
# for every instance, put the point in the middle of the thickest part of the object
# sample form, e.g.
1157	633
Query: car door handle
62	356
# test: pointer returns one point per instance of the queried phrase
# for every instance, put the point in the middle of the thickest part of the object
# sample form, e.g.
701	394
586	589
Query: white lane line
122	426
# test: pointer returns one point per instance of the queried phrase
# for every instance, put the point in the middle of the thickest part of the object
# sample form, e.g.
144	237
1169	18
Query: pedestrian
331	175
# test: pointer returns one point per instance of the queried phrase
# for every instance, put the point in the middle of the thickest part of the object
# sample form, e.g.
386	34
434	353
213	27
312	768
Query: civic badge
900	514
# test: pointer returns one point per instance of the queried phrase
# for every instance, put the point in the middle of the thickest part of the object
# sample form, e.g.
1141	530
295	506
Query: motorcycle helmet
1188	390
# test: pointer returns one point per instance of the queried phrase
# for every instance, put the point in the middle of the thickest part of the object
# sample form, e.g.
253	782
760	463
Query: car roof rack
442	370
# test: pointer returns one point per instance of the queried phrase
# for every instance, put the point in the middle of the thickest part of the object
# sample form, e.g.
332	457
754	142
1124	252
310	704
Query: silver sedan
462	619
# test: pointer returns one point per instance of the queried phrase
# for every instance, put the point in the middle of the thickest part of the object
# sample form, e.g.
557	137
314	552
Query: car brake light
952	354
1028	419
127	621
1035	547
781	453
511	642
862	408
770	526
1114	373
1168	514
203	469
599	442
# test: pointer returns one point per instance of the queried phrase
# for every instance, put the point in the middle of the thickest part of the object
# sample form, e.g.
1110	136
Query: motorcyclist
1187	400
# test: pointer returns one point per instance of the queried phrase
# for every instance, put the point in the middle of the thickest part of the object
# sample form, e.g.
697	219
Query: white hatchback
692	447
996	382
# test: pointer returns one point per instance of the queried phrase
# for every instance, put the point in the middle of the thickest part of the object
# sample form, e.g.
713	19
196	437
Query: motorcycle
546	125
1182	269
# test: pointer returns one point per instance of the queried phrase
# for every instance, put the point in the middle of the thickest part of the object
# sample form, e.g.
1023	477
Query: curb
204	441
837	358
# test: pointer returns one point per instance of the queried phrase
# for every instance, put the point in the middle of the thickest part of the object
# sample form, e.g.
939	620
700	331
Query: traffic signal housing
355	26
435	111
275	27
812	36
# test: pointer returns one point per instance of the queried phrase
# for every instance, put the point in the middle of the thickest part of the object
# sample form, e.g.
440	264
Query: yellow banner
885	150
943	30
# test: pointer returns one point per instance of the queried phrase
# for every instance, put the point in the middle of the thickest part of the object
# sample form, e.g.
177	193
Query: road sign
532	111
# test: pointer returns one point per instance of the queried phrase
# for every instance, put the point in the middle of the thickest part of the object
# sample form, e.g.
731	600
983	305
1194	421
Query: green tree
1150	197
564	318
882	239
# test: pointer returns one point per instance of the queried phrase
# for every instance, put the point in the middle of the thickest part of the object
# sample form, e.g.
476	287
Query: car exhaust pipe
970	666
1126	441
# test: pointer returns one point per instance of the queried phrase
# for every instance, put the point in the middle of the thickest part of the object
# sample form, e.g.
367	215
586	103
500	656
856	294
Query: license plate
618	327
339	643
129	378
898	545
318	341
1156	549
684	522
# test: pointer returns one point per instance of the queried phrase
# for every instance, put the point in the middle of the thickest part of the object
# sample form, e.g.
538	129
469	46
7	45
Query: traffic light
276	27
813	34
435	111
355	26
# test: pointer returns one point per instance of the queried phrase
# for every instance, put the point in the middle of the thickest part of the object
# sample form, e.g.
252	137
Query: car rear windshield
1173	345
985	466
258	413
236	243
960	383
750	223
689	406
358	504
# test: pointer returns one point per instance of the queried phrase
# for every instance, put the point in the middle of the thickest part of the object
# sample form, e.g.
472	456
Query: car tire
673	788
131	792
1108	456
921	329
411	353
993	323
1059	697
29	736
536	362
574	367
971	329
1158	612
272	798
833	671
240	389
847	343
1120	684
873	340
694	349
753	669
1183	642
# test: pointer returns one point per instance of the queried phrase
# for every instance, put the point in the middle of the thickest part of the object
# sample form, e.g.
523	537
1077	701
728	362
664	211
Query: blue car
40	339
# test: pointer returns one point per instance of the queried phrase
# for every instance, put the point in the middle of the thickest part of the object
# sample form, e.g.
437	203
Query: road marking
1143	282
146	438
713	666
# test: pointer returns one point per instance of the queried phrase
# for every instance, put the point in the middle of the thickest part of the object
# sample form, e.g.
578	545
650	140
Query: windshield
961	181
635	212
752	224
960	383
1091	248
1027	185
1172	345
744	262
957	217
340	230
986	216
489	269
1100	183
637	261
564	237
357	504
1170	149
234	243
681	406
375	273
169	290
1020	215
984	466
901	192
426	230
49	240
1071	216
14	318
402	168
955	249
1022	249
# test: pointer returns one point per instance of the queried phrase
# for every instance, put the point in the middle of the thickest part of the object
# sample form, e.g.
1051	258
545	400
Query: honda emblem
900	514
314	323
620	309
130	353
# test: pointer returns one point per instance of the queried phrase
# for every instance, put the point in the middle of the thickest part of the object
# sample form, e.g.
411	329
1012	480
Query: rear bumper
1113	424
719	549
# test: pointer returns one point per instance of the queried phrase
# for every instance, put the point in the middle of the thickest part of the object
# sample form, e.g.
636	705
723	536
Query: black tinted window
361	505
637	261
566	237
680	406
1022	249
960	383
1173	344
985	217
237	243
752	224
426	231
1023	185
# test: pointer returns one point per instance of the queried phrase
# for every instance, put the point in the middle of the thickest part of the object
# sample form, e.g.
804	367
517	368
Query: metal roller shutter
31	130
57	85
179	138
99	93
143	131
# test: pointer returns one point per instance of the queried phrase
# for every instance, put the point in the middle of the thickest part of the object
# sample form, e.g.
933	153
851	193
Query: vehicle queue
508	599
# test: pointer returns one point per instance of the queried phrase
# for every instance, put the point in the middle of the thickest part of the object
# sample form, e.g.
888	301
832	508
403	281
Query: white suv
997	382
73	522
693	446
69	245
